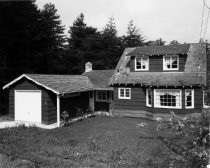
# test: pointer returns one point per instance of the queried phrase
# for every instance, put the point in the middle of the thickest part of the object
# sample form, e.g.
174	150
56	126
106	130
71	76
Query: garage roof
59	84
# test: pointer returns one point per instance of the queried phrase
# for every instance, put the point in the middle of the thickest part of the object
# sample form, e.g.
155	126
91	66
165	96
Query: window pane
188	98
121	92
127	93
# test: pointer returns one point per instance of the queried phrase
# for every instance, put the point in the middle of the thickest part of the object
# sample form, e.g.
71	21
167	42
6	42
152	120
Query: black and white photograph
104	83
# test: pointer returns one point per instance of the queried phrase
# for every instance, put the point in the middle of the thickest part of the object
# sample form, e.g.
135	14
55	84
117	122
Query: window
124	93
101	96
142	63
149	97
189	98
166	98
171	62
205	100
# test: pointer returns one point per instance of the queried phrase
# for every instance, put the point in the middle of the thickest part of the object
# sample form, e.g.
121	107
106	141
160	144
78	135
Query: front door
91	100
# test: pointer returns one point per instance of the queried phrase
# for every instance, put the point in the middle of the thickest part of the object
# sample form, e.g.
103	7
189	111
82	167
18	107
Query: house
42	98
151	81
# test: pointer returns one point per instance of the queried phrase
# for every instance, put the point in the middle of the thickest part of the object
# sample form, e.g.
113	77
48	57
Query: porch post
58	110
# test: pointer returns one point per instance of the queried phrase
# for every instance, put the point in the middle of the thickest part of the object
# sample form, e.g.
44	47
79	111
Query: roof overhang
27	77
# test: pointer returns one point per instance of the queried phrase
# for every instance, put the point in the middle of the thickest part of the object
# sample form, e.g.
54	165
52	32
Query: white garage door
28	105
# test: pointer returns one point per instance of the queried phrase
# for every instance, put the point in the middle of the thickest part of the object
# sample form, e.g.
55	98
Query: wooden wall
156	63
48	100
208	71
137	103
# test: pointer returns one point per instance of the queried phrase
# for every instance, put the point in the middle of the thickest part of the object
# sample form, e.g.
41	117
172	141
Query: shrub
188	140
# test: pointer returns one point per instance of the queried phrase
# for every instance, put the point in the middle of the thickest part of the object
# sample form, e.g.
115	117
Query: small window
149	97
142	63
189	98
205	100
101	96
165	98
124	93
171	62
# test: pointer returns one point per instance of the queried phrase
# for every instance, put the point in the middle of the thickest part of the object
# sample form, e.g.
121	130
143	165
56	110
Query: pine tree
133	38
81	45
54	39
112	46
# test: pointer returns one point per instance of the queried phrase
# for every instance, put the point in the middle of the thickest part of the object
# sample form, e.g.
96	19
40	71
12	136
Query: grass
95	142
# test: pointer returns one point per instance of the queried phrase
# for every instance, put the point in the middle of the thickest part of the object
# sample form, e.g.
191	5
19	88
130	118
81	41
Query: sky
167	19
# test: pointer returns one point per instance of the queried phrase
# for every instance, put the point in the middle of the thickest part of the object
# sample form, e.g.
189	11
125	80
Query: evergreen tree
54	39
20	39
133	38
112	46
81	45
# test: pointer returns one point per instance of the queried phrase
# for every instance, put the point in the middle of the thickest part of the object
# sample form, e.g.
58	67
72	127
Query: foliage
133	38
189	140
158	42
174	42
31	41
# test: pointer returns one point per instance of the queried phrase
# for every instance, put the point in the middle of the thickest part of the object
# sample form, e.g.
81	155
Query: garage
28	105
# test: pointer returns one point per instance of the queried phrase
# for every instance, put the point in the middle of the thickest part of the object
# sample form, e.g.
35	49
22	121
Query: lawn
95	142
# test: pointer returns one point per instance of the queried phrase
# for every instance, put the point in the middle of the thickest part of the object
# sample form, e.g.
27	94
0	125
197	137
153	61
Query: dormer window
142	63
171	62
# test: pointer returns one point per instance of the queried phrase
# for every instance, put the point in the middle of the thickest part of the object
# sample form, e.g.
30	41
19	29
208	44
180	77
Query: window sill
167	107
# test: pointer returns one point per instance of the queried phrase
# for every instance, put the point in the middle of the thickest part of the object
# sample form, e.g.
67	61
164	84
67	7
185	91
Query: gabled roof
100	78
194	72
59	84
160	50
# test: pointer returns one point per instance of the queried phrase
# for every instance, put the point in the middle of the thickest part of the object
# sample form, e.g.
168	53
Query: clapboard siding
48	100
137	101
156	63
137	104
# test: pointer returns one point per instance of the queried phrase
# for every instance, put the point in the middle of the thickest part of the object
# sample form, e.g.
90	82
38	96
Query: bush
188	140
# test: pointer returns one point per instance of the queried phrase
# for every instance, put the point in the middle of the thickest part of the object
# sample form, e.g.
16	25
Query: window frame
164	63
97	96
169	107
124	93
147	65
147	97
193	98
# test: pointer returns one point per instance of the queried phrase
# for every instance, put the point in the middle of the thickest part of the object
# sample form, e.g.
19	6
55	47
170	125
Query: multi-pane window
101	95
149	97
171	62
167	98
142	63
206	103
189	98
124	93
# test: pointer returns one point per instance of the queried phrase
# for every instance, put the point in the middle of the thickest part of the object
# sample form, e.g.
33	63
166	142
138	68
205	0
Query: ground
95	142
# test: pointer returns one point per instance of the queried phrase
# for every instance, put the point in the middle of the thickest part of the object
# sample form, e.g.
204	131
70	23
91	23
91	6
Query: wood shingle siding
156	64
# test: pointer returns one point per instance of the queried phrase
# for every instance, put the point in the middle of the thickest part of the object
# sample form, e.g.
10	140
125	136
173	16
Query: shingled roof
194	72
161	50
100	78
59	84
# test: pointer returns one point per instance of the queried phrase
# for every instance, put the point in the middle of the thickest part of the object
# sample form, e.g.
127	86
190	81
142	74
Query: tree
174	42
53	39
133	38
158	42
81	43
112	46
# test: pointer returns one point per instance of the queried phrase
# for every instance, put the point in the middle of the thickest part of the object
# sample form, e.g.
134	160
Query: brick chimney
88	67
